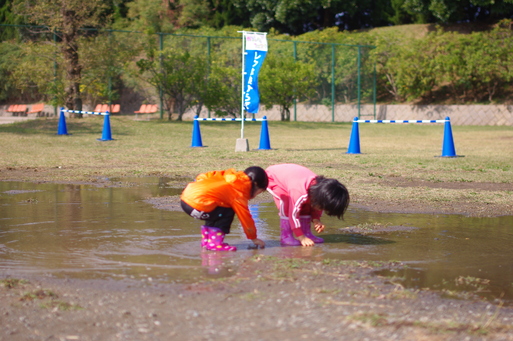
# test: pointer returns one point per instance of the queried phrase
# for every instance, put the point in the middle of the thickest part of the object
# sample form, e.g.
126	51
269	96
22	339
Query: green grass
32	151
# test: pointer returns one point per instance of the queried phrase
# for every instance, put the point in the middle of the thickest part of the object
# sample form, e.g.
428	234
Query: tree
7	17
224	91
10	55
181	76
65	18
32	71
386	57
152	16
104	70
284	80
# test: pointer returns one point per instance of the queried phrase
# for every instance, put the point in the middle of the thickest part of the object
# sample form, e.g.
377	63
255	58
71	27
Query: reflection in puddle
85	232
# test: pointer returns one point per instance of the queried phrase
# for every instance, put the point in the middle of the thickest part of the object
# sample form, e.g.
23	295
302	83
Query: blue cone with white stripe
354	141
448	149
196	134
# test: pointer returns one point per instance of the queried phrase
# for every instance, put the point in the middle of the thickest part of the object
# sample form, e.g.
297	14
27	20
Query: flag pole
254	48
242	144
242	115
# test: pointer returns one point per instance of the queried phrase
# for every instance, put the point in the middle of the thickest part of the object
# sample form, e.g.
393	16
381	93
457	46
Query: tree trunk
179	105
285	114
73	67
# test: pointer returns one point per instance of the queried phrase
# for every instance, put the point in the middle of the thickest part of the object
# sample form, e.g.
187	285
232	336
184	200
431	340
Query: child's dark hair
330	196
258	176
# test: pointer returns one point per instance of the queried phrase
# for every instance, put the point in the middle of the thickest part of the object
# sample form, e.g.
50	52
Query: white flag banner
256	50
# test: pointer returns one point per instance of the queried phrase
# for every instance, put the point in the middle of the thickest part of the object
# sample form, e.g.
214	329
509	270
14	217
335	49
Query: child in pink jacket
301	196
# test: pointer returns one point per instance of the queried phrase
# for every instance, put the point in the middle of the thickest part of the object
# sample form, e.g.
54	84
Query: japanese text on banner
256	50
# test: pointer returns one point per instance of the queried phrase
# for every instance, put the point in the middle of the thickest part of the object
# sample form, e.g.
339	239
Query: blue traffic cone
196	134
354	141
106	133
448	149
61	129
265	142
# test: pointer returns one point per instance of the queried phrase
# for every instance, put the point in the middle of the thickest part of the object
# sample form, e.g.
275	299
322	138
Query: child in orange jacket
217	196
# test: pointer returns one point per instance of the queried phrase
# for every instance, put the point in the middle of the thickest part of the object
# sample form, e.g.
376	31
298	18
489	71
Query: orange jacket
226	188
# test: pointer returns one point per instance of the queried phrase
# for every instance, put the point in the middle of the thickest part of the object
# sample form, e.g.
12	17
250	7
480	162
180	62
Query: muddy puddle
86	232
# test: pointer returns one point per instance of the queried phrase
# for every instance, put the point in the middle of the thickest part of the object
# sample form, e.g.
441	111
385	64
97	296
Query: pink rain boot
306	228
215	240
286	237
204	236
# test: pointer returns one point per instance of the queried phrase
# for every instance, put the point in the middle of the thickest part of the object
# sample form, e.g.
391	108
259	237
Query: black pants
220	217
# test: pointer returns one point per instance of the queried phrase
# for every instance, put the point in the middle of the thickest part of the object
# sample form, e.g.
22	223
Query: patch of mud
22	191
454	207
479	186
170	203
268	299
375	229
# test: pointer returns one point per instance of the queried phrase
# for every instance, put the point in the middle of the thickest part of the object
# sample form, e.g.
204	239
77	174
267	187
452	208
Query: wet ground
119	233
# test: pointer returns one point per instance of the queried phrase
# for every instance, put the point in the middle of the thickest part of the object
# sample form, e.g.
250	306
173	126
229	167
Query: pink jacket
289	183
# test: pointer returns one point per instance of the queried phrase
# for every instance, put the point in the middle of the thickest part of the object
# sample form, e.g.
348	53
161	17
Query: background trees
198	63
300	16
284	80
181	75
447	66
64	18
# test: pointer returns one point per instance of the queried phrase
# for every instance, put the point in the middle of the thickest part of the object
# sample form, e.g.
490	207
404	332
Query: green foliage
415	70
9	18
148	16
55	13
224	91
35	68
300	16
411	64
193	13
31	73
106	59
459	68
181	75
64	19
284	80
9	53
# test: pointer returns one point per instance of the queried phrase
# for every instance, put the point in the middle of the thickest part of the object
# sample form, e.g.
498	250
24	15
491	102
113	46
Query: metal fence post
161	93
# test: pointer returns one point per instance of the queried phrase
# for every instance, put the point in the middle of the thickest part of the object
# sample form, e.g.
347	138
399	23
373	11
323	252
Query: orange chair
22	109
37	109
142	109
152	108
17	109
11	108
115	108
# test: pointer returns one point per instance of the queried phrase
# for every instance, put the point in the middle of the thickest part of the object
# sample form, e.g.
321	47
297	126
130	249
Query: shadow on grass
355	238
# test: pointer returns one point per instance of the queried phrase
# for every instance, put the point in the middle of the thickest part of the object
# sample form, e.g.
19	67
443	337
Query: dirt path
268	299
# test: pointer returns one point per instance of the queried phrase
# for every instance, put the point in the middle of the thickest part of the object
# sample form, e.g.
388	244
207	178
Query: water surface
87	232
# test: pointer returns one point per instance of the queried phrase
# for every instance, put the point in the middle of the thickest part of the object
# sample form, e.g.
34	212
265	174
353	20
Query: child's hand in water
305	241
258	243
319	227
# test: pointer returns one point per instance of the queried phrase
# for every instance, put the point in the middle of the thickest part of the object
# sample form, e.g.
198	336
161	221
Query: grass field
32	151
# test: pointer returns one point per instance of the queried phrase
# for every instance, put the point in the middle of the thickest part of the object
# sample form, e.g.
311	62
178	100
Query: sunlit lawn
162	148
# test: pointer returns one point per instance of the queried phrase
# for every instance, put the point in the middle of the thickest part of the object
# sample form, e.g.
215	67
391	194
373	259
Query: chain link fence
344	74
